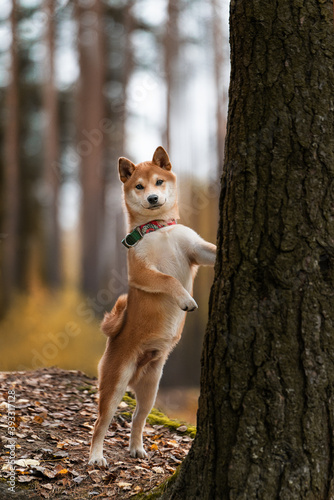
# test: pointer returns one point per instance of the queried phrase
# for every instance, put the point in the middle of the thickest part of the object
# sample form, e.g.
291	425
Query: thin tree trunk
266	411
51	156
127	69
91	137
171	45
218	47
118	259
11	191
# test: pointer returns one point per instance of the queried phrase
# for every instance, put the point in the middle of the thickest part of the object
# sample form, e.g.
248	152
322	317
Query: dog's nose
153	199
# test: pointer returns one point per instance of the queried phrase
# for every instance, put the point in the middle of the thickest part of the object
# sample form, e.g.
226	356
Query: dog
145	324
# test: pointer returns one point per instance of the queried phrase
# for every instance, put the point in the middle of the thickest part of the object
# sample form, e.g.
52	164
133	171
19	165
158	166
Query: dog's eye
139	186
159	182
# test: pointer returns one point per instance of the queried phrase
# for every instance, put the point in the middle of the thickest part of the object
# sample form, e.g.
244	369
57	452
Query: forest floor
55	411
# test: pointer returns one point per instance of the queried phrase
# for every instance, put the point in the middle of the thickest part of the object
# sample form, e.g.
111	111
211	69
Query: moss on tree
156	417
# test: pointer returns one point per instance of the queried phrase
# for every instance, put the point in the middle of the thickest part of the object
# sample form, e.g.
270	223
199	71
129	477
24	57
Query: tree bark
219	63
114	224
266	410
10	236
91	113
51	156
171	47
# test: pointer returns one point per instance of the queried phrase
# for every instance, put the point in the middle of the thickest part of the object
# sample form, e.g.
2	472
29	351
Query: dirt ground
46	422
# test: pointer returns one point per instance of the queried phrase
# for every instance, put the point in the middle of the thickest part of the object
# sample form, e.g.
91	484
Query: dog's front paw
138	452
96	460
189	304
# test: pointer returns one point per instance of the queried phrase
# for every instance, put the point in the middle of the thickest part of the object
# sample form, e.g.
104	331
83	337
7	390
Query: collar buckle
131	239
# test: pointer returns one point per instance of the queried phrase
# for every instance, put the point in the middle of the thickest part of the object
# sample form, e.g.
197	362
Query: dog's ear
161	158
125	168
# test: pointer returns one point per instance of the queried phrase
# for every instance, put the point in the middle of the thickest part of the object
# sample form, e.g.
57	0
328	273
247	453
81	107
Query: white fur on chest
167	250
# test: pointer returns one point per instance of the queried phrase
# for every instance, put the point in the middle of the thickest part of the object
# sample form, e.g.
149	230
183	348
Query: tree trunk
219	64
51	156
10	236
114	257
91	131
266	411
171	46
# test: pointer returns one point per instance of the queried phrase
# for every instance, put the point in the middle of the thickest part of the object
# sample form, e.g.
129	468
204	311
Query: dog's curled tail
114	321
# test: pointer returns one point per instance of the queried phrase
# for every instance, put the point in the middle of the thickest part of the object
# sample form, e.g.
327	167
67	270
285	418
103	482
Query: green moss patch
156	417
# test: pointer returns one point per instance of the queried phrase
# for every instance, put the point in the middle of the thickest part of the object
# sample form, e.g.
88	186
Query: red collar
131	239
153	225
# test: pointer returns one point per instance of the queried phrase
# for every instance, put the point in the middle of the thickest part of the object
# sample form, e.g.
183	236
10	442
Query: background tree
171	47
120	24
219	47
11	191
266	413
91	112
51	154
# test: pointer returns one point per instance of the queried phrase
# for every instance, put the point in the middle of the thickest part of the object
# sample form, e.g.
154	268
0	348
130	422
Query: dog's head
149	188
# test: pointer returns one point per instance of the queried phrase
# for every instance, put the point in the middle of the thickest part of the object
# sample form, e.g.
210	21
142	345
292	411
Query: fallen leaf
172	443
87	425
47	486
60	454
18	421
20	435
7	467
66	481
176	460
25	479
95	476
124	485
182	428
27	462
39	418
158	470
78	479
60	471
48	473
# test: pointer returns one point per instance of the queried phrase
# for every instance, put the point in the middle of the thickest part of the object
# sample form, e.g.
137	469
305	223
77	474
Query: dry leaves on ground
49	437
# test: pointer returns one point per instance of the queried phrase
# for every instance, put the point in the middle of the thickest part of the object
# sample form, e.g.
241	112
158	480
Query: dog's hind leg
145	388
111	391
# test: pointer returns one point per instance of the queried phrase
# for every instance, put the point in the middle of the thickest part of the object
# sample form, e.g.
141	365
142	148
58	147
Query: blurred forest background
83	82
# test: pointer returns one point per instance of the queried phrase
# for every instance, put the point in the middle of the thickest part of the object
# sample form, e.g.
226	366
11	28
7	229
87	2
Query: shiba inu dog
144	325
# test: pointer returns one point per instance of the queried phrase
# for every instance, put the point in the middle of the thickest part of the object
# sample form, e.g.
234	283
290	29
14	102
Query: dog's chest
166	250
